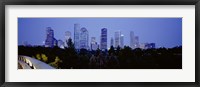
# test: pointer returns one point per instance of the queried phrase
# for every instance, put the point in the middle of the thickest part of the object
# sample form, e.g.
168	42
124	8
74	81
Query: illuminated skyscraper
111	42
50	40
84	38
136	43
150	45
55	42
122	41
94	44
60	44
117	38
76	35
93	40
103	42
67	36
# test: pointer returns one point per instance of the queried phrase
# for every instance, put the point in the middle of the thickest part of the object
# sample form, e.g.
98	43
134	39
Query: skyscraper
93	43
150	45
93	40
111	42
136	43
117	38
60	44
50	40
122	41
142	45
76	35
103	41
67	36
55	42
132	40
84	38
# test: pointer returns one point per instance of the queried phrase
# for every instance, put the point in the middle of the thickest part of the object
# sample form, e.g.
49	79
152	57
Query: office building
93	44
122	41
150	45
117	38
84	38
103	39
147	45
50	40
60	44
93	40
67	36
136	43
76	35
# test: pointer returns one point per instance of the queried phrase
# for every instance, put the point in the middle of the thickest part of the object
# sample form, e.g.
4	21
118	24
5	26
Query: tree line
114	58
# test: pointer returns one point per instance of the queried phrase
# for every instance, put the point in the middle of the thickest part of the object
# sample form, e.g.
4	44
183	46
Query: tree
38	56
56	62
111	50
44	57
70	43
118	50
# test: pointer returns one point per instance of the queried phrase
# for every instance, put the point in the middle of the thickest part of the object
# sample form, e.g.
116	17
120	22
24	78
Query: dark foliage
119	58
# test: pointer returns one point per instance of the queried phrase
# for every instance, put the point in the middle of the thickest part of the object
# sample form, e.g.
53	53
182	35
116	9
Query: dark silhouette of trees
114	58
111	50
70	44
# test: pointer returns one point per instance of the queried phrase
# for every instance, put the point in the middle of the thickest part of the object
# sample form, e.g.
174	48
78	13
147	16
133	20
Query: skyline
165	32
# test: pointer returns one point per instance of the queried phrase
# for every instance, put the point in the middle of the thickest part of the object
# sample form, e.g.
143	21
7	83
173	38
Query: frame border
99	2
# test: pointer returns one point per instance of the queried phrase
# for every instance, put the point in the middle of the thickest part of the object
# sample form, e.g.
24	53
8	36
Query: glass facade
103	41
84	38
117	38
136	44
49	42
60	44
76	35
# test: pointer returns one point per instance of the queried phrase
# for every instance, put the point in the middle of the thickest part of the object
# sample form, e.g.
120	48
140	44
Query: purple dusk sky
165	32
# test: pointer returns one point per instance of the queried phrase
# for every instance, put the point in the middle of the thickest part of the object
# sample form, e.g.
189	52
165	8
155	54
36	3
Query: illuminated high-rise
117	38
84	38
103	39
50	40
60	44
136	43
93	44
